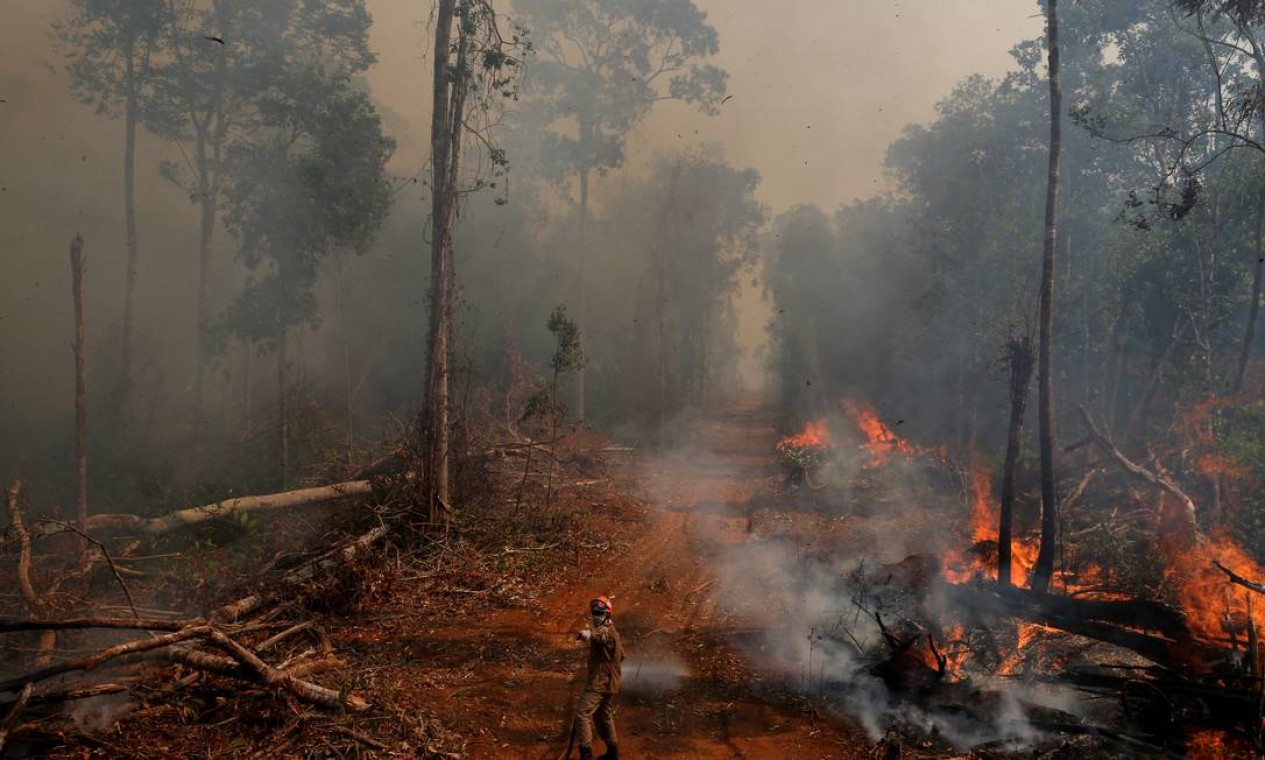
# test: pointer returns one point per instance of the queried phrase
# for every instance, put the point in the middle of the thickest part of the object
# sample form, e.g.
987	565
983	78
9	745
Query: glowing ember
1211	745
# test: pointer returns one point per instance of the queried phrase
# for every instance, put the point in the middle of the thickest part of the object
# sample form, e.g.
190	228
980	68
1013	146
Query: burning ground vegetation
1146	643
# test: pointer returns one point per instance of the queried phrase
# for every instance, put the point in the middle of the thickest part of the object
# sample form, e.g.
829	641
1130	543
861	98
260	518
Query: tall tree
309	183
602	66
1044	569
475	61
108	46
220	58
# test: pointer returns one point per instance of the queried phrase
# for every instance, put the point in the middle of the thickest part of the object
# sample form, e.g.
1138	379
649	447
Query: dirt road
691	689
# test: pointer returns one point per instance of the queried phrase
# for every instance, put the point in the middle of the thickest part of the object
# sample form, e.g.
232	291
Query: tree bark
77	261
1020	377
447	123
209	172
283	409
435	425
582	314
1044	568
129	223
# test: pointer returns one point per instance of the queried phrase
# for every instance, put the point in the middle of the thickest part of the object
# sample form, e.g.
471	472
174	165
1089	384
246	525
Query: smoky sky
820	87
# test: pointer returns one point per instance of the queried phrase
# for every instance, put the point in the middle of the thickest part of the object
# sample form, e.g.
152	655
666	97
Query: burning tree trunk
1044	568
77	261
1020	377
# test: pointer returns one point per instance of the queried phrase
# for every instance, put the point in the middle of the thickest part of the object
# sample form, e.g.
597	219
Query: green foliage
108	46
806	457
602	65
568	356
311	182
229	528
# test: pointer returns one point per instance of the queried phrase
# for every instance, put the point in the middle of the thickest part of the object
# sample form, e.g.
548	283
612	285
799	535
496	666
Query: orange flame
814	435
1214	606
880	441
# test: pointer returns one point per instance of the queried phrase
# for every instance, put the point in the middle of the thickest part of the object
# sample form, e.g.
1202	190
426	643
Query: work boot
612	752
586	753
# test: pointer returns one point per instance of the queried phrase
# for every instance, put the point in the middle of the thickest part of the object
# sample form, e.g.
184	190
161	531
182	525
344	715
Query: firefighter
596	708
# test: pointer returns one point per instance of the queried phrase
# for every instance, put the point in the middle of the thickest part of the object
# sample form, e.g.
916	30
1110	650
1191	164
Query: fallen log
98	659
157	526
241	663
10	625
69	695
1149	629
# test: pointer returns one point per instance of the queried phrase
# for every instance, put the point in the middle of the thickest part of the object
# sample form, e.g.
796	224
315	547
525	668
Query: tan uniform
596	708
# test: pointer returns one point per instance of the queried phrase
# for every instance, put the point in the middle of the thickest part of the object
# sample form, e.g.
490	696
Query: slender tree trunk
247	380
1044	569
553	438
446	121
206	230
347	392
1249	334
208	168
129	222
1020	377
77	261
582	314
283	409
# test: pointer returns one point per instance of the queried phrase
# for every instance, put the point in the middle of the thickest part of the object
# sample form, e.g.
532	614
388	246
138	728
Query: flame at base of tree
808	449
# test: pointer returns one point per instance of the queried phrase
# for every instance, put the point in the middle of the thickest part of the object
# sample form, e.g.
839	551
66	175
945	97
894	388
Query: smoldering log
1153	630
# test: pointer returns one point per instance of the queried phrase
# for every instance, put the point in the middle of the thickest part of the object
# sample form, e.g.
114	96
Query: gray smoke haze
818	89
801	608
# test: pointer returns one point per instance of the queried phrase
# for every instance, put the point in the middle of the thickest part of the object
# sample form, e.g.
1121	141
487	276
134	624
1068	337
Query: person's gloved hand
584	635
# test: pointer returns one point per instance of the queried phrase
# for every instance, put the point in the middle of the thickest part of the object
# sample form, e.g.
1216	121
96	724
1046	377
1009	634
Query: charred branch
1189	512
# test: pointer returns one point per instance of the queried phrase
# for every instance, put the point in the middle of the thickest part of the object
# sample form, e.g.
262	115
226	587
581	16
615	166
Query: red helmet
601	606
